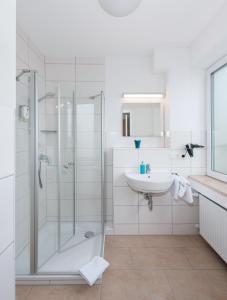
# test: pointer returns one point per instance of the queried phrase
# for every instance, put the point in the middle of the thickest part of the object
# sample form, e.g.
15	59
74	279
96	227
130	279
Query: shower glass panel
22	178
89	165
56	158
47	189
59	177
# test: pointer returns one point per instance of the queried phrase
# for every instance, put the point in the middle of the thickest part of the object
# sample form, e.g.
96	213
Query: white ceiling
82	28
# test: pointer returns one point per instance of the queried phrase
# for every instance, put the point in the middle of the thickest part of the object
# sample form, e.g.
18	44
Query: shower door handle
39	175
68	165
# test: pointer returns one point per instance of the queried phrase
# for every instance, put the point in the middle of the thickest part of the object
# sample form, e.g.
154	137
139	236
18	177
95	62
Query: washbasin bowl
156	182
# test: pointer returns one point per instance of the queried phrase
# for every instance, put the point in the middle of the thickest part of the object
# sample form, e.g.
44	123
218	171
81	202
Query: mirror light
159	95
119	8
143	98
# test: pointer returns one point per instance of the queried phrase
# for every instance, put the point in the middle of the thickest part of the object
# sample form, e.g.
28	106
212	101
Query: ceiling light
119	8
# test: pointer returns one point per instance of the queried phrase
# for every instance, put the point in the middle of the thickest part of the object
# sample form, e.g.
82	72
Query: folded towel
94	269
181	189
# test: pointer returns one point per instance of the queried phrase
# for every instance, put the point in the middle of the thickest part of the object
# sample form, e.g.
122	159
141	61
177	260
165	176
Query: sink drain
148	197
89	234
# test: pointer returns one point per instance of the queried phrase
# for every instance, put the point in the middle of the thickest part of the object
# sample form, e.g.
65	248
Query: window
217	120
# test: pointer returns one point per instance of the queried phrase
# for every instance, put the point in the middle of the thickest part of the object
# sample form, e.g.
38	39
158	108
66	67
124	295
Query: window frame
212	69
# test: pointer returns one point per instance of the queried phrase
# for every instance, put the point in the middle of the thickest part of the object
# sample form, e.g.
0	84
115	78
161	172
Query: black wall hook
189	149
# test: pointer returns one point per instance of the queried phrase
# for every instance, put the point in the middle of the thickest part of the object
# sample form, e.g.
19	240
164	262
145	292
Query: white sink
156	182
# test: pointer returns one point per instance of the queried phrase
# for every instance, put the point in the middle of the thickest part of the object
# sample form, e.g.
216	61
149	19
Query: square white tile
125	214
125	196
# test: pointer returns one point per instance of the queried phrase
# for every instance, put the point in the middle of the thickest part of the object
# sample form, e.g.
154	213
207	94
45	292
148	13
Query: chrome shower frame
34	161
102	96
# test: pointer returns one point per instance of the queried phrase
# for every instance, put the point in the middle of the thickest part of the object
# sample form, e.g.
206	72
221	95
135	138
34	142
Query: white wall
7	169
133	75
211	44
185	88
168	71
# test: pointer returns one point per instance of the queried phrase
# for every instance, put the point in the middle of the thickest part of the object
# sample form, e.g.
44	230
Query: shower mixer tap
44	158
68	165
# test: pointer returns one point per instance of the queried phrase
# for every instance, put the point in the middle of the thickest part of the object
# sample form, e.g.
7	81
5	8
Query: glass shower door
88	204
22	176
89	166
55	169
46	202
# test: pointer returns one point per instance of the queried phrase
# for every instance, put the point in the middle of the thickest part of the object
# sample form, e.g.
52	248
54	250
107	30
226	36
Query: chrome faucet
44	158
68	165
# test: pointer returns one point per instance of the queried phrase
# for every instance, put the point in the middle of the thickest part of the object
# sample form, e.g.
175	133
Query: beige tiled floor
148	268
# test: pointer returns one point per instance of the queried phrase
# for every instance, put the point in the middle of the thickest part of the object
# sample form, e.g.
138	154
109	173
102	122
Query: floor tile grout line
29	292
190	264
131	257
169	283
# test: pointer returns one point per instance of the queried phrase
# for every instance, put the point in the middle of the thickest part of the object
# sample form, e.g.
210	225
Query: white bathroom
113	161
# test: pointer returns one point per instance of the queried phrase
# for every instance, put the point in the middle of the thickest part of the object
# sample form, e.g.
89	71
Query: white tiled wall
90	80
131	213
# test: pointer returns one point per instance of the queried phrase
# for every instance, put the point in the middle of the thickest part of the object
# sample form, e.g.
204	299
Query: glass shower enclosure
59	177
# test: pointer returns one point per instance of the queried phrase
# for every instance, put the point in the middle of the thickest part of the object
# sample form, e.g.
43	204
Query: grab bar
39	174
44	158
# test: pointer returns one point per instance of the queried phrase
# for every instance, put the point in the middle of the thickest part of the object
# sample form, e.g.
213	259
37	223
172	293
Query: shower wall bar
59	165
33	123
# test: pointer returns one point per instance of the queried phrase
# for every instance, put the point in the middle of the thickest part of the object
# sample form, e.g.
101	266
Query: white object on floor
94	269
181	189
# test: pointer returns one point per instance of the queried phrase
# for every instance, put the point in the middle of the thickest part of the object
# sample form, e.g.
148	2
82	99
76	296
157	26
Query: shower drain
89	234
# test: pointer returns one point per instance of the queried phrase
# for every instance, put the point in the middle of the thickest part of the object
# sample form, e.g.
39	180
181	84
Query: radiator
213	225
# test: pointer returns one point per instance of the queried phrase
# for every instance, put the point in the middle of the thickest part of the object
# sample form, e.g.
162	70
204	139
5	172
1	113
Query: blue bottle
142	168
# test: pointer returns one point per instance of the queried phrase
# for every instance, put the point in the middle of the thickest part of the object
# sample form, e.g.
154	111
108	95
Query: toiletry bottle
148	168
142	168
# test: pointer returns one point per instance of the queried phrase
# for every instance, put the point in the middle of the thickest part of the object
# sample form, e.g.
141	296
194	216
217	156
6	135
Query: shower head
95	96
24	71
47	95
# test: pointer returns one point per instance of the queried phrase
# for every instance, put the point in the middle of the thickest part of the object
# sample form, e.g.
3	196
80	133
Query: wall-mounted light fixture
142	97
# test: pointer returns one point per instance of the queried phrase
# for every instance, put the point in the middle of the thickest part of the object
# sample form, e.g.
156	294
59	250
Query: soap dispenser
142	168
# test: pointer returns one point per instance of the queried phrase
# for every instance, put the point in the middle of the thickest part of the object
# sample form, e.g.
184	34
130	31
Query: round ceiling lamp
119	8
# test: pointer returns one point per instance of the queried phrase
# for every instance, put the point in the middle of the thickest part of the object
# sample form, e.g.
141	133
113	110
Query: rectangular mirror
142	119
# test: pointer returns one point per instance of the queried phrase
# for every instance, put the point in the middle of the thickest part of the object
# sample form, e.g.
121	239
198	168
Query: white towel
181	189
94	269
